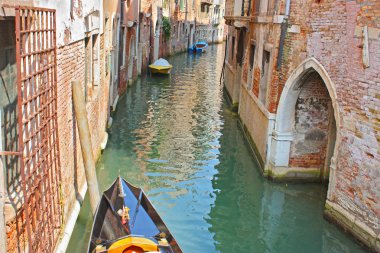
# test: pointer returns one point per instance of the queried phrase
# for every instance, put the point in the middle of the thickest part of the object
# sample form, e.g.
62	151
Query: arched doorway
306	134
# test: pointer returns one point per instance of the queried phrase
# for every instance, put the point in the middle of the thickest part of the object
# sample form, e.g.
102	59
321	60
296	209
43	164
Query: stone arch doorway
306	133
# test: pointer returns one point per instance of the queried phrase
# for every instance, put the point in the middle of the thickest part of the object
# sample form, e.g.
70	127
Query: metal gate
36	59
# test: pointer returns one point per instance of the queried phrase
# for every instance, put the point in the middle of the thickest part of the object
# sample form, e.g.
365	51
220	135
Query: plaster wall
258	123
69	16
229	83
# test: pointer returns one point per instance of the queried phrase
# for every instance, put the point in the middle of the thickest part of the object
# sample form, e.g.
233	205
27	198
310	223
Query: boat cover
161	62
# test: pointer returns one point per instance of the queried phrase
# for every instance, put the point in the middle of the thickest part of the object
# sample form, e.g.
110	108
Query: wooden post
86	145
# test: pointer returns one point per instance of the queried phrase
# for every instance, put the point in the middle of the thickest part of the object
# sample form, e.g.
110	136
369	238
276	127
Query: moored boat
199	47
161	66
126	221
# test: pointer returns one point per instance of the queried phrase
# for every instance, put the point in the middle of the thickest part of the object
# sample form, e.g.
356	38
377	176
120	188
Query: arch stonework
283	134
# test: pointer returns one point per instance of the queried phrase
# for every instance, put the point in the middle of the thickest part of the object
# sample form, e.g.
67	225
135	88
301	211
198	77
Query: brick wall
331	32
71	67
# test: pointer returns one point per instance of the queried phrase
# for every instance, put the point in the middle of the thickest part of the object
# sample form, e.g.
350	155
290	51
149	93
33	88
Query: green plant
166	26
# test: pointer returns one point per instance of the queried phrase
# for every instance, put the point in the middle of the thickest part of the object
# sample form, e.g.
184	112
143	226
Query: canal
177	139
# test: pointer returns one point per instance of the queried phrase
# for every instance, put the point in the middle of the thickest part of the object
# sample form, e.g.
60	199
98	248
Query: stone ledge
350	224
293	174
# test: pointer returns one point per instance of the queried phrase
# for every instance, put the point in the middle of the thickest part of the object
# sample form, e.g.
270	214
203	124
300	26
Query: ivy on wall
166	27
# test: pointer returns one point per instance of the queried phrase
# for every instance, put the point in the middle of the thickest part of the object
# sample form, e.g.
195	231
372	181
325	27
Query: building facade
104	45
209	21
50	44
304	79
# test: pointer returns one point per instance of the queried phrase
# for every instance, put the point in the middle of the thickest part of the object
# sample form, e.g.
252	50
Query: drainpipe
3	238
284	26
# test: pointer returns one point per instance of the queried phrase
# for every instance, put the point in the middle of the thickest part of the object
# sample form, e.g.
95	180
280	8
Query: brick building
192	21
304	77
50	44
209	21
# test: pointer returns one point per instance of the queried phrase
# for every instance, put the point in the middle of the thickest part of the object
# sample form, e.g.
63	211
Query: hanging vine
166	27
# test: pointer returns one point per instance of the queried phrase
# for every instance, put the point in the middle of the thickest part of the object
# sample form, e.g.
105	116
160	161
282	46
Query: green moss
295	176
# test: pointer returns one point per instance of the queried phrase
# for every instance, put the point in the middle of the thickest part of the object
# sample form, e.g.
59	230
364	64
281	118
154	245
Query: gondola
127	222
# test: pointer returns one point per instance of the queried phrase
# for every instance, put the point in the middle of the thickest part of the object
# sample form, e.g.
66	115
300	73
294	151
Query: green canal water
177	139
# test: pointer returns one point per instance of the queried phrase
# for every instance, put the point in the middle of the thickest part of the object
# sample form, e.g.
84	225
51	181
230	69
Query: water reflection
251	214
175	138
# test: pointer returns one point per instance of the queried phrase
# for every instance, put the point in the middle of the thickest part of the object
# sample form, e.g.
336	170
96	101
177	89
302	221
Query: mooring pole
86	145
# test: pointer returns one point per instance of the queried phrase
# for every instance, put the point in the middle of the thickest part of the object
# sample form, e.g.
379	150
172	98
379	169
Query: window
251	64
252	55
264	76
256	7
232	51
179	30
240	49
124	46
92	63
96	59
88	61
106	44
